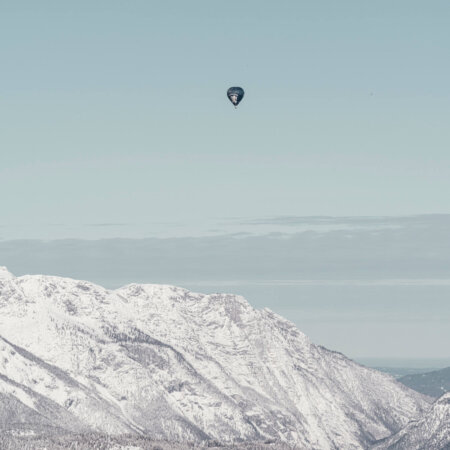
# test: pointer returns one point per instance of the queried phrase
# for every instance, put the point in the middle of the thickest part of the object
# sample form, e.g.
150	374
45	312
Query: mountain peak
5	274
171	364
444	399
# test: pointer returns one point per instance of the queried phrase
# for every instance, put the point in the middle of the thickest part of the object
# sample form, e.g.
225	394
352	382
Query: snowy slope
430	432
5	274
172	364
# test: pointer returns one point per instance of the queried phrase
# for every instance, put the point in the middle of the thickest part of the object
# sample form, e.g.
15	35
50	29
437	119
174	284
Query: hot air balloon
235	95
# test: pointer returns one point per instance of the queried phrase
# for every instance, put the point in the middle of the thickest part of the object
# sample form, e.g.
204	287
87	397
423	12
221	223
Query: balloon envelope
235	95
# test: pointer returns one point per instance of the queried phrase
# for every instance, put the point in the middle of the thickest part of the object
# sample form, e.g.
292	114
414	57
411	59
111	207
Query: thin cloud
106	224
383	282
345	220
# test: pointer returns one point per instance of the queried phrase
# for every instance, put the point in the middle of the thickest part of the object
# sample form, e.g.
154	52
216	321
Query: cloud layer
385	281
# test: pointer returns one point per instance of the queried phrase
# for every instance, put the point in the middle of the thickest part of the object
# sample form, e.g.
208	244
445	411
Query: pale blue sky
114	123
114	111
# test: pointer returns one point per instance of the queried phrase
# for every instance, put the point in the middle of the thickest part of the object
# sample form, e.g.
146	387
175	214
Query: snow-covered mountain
172	364
430	432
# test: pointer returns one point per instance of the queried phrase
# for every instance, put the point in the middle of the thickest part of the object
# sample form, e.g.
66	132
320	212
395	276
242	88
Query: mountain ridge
434	383
431	431
171	364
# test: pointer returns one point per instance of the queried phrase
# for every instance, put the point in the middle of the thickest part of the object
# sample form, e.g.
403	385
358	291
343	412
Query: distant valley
434	383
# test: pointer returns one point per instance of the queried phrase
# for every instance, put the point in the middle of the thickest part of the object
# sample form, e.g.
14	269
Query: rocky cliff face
175	365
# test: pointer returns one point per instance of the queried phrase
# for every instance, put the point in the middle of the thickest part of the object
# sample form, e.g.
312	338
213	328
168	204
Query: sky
370	287
114	124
